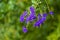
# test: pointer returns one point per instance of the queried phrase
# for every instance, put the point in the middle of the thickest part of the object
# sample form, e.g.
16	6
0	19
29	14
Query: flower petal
32	15
24	29
51	13
32	10
44	15
22	16
39	16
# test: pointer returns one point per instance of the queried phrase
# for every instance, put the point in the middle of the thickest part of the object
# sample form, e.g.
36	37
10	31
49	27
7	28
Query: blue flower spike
32	15
24	29
23	16
32	10
41	20
38	23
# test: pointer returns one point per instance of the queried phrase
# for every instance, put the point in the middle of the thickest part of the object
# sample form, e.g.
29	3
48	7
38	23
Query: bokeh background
11	27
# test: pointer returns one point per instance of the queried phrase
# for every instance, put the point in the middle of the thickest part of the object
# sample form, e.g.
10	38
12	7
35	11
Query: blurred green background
11	27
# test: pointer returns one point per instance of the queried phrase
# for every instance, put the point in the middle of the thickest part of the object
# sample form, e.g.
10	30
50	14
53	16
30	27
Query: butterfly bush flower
24	29
51	13
32	15
22	16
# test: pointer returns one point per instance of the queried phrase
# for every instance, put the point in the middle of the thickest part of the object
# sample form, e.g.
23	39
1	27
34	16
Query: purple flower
22	16
43	19
39	16
30	18
40	20
37	23
32	15
27	19
24	29
44	15
51	13
32	10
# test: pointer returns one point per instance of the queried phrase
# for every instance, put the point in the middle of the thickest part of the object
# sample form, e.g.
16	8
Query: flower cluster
30	18
40	19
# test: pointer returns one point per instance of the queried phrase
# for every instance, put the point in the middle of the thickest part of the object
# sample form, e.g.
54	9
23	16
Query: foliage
11	27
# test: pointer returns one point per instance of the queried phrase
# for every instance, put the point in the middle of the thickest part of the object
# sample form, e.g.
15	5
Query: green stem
47	5
27	25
